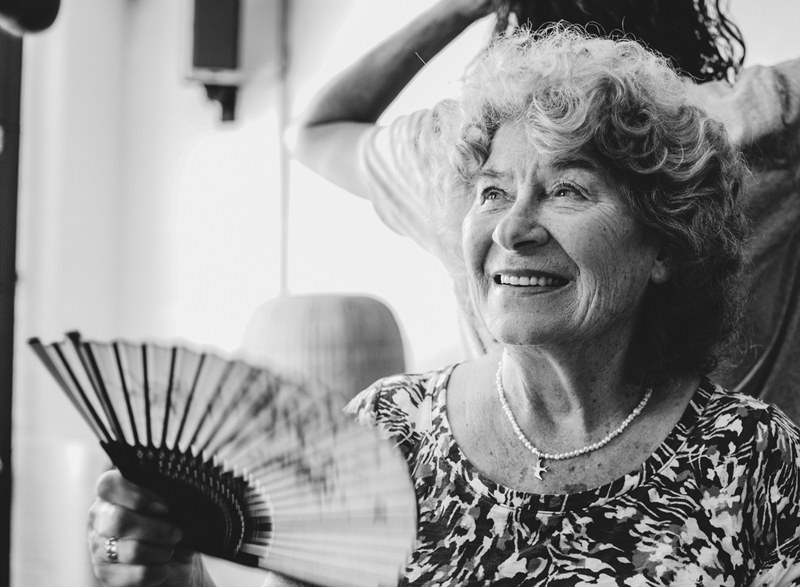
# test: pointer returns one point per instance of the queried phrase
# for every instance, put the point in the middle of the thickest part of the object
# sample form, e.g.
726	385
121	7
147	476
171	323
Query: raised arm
325	136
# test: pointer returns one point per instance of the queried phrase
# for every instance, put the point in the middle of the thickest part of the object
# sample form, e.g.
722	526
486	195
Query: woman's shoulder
746	421
754	454
723	402
401	403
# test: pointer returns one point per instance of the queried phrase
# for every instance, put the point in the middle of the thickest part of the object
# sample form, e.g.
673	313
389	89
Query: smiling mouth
529	280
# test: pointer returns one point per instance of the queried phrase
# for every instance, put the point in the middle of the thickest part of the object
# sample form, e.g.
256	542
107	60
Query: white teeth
525	281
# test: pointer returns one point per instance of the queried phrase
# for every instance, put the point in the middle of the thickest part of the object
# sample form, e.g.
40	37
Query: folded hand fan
254	468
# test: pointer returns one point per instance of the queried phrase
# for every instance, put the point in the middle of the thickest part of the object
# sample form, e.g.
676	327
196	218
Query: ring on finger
111	549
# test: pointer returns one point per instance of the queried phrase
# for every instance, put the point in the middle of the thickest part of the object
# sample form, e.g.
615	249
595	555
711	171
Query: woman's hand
132	543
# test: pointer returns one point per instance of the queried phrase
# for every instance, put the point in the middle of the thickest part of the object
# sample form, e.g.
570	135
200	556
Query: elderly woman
341	137
602	240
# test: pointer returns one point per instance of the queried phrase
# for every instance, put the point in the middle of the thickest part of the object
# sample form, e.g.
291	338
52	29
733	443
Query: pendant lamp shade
342	342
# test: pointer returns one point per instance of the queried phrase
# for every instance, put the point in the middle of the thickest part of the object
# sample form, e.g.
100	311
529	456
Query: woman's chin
530	322
520	332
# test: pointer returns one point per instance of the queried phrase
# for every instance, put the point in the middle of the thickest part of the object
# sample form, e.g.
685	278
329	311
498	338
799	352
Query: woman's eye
491	193
566	190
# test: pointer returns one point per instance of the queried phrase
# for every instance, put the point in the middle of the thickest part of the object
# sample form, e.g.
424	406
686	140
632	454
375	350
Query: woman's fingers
110	519
128	549
131	512
112	575
128	562
131	540
133	562
114	488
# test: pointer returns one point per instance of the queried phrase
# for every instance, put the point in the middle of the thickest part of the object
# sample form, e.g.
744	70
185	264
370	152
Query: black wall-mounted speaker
29	15
215	60
215	39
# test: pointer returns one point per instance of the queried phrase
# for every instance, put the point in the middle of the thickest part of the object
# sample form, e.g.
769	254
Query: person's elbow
330	150
313	144
298	141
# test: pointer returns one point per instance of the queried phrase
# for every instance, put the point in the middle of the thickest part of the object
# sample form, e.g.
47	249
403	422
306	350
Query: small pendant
539	468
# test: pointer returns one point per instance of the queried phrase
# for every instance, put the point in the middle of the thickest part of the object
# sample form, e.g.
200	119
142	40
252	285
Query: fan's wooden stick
211	404
189	400
96	380
263	389
90	364
240	396
125	391
146	389
168	405
81	406
84	397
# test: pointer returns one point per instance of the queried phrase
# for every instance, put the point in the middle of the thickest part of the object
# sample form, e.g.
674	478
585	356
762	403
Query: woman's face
553	254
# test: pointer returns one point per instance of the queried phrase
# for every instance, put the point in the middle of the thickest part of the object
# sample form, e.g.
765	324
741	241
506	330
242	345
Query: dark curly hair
680	174
695	35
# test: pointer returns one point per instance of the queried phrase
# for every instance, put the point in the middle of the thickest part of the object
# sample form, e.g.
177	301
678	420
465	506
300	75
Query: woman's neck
580	389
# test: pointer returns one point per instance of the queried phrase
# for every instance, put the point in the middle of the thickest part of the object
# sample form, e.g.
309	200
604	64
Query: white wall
71	154
769	28
142	215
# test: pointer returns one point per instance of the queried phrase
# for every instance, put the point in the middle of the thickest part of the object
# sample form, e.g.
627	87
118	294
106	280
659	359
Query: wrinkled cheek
475	244
611	297
593	302
479	295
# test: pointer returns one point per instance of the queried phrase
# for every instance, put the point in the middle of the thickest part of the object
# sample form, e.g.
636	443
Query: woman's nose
520	228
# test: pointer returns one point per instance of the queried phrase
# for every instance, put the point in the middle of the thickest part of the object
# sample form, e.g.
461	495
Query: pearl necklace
538	468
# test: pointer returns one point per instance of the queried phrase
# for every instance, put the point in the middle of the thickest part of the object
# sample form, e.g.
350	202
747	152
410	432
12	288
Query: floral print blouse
718	503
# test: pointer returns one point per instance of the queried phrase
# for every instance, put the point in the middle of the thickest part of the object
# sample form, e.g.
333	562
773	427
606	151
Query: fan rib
95	380
101	390
146	388
87	414
188	405
125	391
82	393
227	410
210	406
260	400
168	402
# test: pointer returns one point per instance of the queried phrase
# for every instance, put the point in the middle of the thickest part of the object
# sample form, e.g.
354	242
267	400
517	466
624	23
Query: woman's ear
660	271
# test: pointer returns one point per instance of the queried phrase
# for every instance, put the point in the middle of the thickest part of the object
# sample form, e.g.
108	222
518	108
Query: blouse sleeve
761	111
396	405
777	503
394	165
